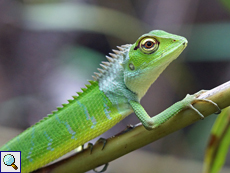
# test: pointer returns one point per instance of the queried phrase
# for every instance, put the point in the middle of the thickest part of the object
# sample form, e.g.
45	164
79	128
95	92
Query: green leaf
226	3
219	142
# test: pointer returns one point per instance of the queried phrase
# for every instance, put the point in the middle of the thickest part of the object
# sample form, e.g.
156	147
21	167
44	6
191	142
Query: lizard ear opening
131	66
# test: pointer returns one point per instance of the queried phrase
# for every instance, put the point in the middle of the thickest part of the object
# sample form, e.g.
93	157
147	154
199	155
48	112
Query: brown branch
122	144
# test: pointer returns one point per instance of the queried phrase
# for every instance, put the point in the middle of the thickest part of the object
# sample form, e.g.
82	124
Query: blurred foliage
205	43
219	142
209	42
66	17
226	3
68	58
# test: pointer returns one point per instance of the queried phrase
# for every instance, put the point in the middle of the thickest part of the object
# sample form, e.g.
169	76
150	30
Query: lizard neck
112	83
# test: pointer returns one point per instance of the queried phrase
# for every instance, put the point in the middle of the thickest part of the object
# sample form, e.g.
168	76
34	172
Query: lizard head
148	57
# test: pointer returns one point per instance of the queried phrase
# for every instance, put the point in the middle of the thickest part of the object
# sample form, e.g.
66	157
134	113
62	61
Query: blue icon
9	160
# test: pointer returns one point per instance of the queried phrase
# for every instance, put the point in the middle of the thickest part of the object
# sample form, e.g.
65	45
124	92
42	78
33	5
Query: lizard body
115	93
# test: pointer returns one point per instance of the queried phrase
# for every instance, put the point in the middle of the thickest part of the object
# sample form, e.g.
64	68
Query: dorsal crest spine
111	59
105	65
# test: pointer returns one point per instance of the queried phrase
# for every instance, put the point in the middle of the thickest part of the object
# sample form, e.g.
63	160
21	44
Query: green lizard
113	95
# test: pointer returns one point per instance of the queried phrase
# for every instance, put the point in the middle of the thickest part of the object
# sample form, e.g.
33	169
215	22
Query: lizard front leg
150	123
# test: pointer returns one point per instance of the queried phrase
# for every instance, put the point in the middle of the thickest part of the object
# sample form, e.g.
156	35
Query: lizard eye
148	45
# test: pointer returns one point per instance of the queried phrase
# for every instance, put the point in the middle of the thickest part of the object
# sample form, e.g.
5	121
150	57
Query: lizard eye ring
148	45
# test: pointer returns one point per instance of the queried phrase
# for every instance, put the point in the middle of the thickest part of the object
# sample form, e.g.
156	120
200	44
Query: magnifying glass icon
9	160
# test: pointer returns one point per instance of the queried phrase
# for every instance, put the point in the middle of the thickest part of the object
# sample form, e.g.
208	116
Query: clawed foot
90	145
103	169
127	129
193	98
101	140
